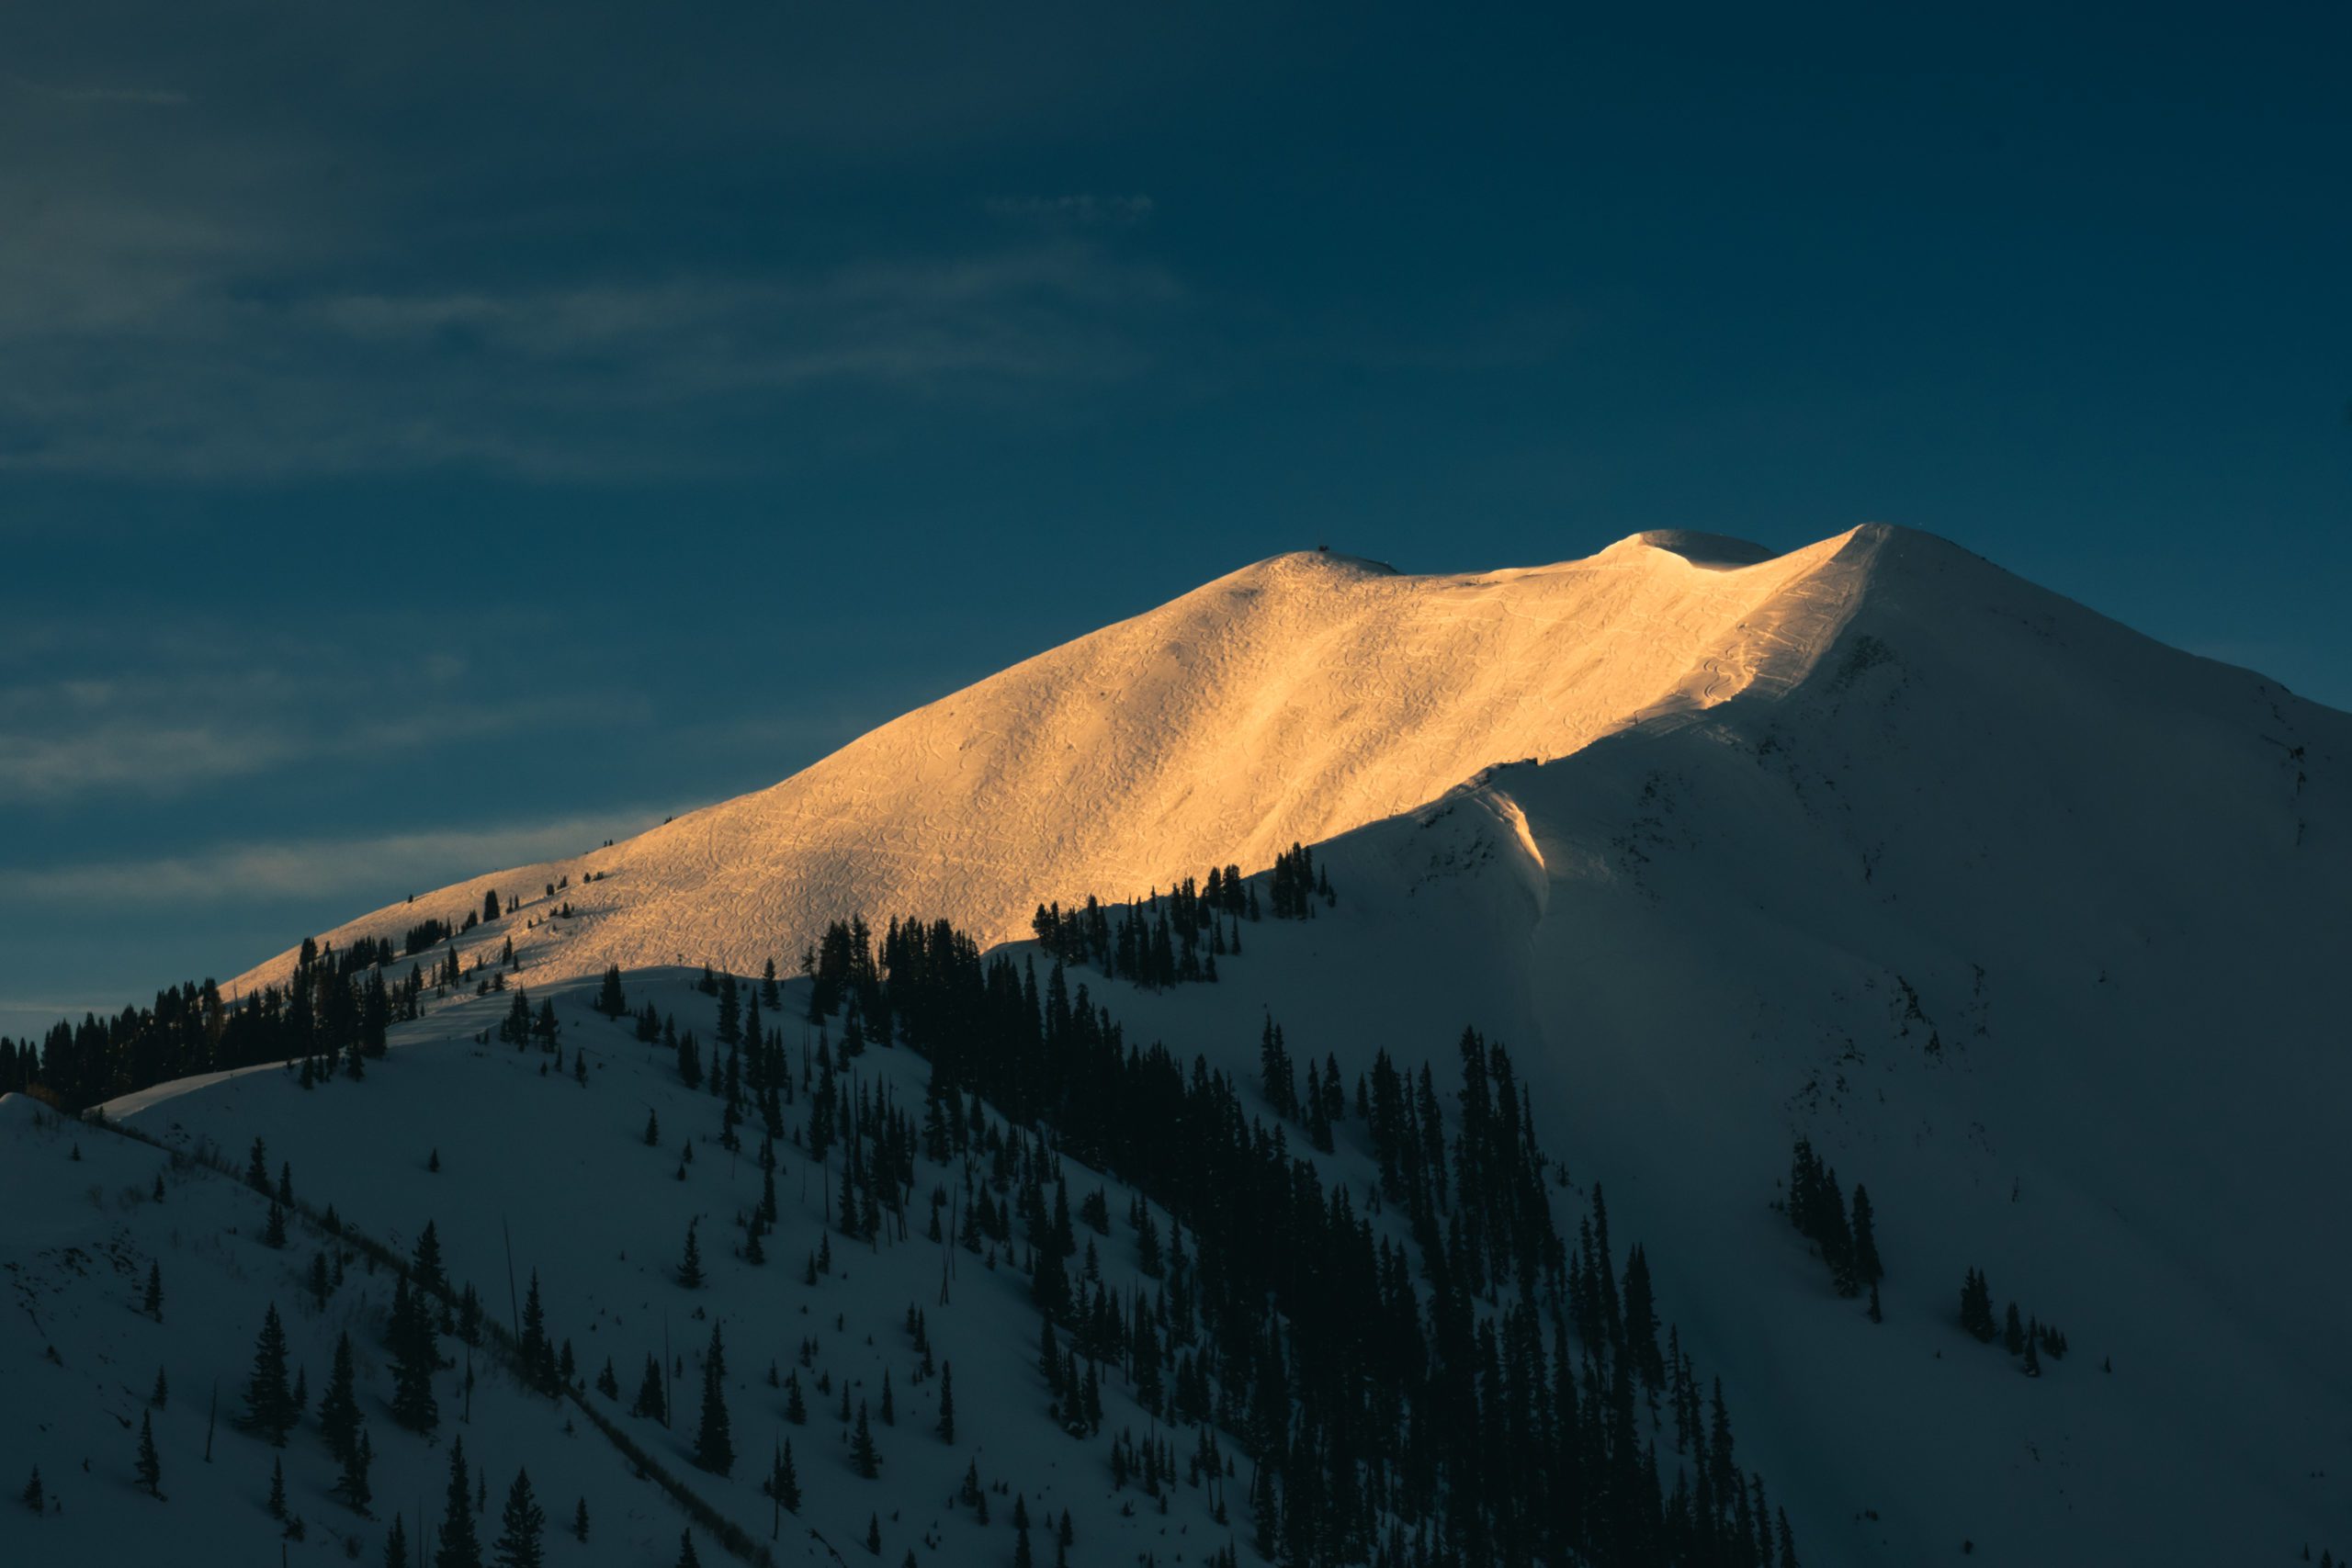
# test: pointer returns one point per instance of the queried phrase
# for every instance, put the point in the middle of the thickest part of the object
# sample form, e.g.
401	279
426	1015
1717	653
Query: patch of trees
521	1027
423	937
1847	1240
2027	1337
752	1078
1298	886
327	1018
1169	940
1488	1393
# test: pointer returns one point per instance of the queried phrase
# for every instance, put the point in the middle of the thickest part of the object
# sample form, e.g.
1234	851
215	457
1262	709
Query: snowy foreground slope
558	1169
2028	923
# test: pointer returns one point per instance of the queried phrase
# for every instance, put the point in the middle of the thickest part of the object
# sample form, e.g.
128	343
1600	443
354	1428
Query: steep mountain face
2027	923
1286	703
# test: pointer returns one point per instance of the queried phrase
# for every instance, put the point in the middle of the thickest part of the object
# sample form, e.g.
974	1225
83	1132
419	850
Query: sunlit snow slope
1292	700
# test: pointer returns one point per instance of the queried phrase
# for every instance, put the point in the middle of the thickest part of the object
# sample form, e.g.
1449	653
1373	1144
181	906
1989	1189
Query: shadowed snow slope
1290	701
2028	922
2032	925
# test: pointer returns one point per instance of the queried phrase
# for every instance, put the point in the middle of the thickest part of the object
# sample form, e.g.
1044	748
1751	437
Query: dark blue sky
445	435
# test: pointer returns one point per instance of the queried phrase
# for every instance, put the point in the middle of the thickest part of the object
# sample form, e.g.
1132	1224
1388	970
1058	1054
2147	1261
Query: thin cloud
317	867
136	756
84	736
552	383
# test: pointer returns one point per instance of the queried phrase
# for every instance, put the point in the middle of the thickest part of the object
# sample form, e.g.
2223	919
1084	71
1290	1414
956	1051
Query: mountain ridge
1295	698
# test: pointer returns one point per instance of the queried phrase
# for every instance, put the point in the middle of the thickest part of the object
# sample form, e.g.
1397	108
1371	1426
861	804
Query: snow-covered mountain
1288	702
2026	921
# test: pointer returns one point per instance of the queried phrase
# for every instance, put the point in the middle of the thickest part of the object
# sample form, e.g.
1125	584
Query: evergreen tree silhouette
784	1481
460	1547
150	1467
269	1403
351	1485
714	1442
339	1407
863	1456
521	1524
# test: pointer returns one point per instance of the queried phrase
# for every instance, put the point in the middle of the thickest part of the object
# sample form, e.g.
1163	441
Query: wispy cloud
203	721
135	756
575	381
319	867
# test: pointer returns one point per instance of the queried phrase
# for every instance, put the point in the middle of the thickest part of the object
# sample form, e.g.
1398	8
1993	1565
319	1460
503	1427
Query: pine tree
274	1234
690	1266
783	1482
1641	1320
947	1402
161	1395
861	1453
269	1403
2013	1333
1976	1307
415	1359
33	1496
687	1558
539	1359
521	1524
653	1129
277	1504
580	1521
460	1547
714	1442
150	1467
610	1001
396	1545
352	1486
339	1409
1867	1269
649	1397
153	1305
